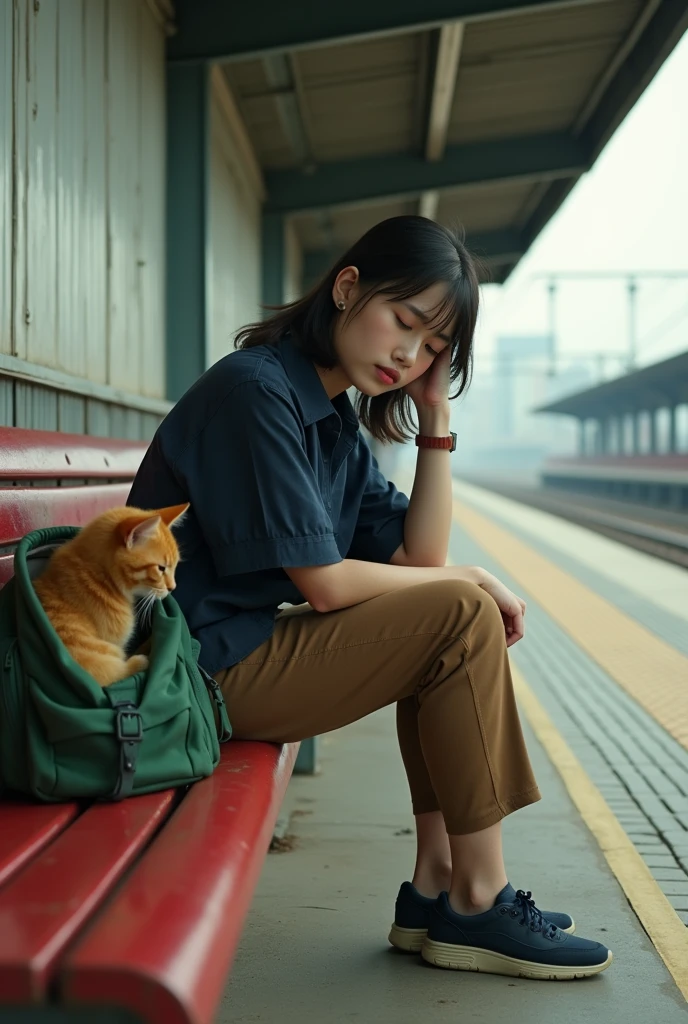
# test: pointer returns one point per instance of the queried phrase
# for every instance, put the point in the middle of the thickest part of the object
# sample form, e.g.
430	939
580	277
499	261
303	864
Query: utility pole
552	302
632	323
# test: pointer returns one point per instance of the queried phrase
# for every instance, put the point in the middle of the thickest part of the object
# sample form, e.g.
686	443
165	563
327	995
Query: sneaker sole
470	958
410	940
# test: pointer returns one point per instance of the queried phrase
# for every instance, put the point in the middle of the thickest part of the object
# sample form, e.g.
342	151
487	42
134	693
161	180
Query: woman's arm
428	519
331	587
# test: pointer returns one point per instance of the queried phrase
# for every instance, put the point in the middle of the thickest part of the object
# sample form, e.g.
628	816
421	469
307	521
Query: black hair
399	257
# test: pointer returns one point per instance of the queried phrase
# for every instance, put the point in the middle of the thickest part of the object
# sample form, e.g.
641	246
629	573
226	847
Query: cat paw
137	663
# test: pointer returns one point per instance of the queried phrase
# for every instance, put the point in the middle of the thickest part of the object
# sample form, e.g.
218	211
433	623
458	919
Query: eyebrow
424	317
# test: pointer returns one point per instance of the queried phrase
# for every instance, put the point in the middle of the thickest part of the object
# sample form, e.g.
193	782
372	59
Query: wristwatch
448	443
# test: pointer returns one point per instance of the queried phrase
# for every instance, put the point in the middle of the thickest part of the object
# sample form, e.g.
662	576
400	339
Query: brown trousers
438	651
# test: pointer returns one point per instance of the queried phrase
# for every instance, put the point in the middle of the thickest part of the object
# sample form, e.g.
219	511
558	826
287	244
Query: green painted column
188	153
274	257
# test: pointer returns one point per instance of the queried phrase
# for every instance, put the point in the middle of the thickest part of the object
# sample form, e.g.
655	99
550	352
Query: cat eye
162	568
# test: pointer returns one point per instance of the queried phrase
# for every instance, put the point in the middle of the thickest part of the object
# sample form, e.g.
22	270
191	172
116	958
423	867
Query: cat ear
173	514
137	531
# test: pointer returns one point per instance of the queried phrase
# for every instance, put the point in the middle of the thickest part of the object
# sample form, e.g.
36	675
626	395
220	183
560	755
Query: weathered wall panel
6	403
34	407
6	39
97	418
94	224
89	189
71	276
123	183
152	209
234	241
71	414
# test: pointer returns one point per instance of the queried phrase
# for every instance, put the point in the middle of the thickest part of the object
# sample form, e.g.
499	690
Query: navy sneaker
412	914
514	938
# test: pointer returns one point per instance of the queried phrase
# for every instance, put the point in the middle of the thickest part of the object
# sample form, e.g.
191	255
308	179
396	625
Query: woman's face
389	342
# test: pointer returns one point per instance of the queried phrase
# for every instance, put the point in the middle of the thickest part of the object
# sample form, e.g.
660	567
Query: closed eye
402	324
431	350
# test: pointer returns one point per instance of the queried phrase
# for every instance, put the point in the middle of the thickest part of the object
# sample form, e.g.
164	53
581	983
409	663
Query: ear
344	288
173	514
138	531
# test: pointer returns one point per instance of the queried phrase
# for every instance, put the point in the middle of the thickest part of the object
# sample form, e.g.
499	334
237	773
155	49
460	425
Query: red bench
137	905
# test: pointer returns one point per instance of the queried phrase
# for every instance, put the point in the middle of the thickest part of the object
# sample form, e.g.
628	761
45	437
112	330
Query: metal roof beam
213	30
446	68
446	56
530	158
282	77
640	64
491	246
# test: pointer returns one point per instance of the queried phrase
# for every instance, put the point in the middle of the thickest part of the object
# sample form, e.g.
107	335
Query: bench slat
44	906
31	508
23	509
48	455
164	945
26	829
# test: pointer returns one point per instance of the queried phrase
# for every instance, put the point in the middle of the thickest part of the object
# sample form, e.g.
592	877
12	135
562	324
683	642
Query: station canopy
479	112
662	385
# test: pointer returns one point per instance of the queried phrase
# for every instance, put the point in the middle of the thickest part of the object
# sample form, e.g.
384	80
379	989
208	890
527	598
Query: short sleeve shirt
277	475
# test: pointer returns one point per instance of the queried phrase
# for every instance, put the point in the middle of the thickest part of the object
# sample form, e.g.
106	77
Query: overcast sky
629	213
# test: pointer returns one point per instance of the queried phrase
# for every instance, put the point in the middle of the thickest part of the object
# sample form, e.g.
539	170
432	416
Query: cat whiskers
144	610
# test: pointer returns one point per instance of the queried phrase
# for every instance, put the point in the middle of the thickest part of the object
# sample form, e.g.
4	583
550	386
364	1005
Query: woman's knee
466	606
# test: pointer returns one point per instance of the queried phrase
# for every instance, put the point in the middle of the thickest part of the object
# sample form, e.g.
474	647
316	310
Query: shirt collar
311	391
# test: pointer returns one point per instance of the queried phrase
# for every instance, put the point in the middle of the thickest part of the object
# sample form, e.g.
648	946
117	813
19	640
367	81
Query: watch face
453	437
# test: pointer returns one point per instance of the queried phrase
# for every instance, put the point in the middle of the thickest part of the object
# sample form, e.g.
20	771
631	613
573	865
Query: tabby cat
91	584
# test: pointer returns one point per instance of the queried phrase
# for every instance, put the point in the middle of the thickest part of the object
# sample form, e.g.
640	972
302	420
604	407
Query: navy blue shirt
277	475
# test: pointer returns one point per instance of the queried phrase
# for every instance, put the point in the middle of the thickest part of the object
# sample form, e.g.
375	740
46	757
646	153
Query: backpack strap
129	733
225	726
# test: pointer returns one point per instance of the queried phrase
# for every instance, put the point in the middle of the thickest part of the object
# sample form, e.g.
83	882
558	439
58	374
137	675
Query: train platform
602	685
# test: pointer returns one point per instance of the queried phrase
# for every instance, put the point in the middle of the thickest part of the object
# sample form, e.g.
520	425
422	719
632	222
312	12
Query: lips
387	374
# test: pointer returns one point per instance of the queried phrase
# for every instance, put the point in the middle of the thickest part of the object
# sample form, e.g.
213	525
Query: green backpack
64	736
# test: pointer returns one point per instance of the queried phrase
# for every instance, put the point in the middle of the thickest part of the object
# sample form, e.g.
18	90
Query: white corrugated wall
234	259
88	98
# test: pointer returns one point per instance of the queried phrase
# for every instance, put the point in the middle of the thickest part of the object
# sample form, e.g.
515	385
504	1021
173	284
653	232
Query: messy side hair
399	257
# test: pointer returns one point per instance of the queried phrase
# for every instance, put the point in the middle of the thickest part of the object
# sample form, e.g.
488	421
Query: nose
407	354
172	584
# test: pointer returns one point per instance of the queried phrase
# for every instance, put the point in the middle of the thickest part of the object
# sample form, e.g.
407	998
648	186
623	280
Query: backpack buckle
129	732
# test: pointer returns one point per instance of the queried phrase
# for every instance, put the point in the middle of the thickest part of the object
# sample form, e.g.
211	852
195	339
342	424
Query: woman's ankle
431	880
473	898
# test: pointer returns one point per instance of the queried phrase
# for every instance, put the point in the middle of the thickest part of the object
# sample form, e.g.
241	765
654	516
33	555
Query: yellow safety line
653	672
659	919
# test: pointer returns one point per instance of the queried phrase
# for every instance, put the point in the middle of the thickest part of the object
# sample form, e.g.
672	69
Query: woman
288	506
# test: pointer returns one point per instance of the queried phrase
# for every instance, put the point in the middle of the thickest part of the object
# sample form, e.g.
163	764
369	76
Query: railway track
658	532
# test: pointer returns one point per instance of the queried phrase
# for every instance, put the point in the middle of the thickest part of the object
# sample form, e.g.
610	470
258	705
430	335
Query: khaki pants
438	651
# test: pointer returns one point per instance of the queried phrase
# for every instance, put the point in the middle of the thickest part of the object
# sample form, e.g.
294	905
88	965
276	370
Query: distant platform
653	479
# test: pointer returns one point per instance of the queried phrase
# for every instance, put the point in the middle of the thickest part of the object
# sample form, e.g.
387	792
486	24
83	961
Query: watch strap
447	443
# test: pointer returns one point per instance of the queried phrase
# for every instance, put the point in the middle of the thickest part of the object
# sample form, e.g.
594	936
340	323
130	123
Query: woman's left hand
431	390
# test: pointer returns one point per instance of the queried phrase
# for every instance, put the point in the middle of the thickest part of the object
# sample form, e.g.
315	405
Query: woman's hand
431	390
513	608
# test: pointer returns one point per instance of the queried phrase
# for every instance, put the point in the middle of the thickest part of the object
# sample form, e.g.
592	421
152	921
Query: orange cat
91	583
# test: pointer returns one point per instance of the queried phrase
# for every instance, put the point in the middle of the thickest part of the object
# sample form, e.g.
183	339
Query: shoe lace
532	917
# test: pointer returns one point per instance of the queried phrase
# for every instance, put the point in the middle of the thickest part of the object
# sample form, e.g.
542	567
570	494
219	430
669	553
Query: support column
673	447
605	435
188	143
635	440
581	437
653	431
273	252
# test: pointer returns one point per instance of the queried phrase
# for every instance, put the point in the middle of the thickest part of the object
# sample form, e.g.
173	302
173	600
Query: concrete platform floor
315	944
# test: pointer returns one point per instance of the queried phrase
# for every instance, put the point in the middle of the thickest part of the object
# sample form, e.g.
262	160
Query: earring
341	305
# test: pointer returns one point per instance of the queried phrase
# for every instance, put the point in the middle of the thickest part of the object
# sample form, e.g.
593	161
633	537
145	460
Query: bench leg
307	760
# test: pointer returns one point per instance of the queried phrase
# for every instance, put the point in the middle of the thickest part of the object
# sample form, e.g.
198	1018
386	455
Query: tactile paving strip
638	767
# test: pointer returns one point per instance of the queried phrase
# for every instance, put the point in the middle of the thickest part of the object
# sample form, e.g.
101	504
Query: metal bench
129	911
